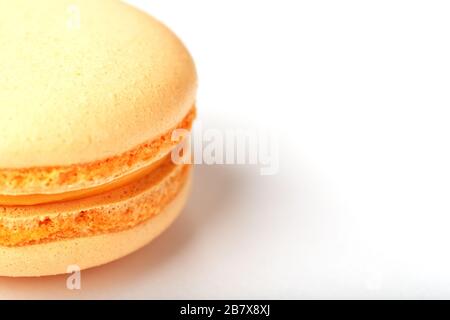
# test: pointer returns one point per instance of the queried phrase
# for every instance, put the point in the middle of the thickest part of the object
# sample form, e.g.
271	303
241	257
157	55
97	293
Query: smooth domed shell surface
84	80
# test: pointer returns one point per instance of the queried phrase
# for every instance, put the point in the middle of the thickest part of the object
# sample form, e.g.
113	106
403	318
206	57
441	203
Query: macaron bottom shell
59	256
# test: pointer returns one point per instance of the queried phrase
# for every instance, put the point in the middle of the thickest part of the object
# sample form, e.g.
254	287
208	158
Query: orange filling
133	205
50	180
35	199
113	206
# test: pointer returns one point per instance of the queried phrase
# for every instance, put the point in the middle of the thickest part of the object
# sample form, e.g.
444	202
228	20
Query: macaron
90	94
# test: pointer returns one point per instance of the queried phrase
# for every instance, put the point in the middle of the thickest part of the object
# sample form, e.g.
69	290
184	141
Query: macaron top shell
84	80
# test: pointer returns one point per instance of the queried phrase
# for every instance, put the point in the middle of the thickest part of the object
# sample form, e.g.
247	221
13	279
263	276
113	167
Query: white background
358	93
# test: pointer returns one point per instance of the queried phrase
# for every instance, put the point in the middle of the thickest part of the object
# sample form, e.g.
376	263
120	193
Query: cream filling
36	199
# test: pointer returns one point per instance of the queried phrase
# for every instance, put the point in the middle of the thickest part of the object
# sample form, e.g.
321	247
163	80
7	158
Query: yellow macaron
90	93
